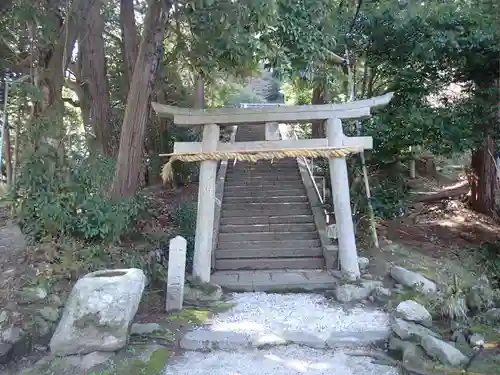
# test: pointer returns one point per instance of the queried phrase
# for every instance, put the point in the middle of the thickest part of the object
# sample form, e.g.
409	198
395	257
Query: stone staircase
266	218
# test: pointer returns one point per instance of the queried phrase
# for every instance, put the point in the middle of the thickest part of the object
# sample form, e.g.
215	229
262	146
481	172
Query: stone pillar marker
202	257
342	203
272	131
176	273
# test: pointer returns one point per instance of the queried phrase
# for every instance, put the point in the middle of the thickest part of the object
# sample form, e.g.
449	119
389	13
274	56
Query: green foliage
185	221
70	200
183	172
389	196
488	256
303	38
222	35
419	53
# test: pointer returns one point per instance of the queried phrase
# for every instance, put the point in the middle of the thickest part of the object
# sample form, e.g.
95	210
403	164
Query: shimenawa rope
253	156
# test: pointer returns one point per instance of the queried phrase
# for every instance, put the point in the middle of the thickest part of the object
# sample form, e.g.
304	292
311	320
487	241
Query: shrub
185	222
54	199
488	256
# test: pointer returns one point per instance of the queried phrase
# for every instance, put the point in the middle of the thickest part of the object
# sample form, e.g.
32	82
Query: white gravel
287	360
261	312
311	313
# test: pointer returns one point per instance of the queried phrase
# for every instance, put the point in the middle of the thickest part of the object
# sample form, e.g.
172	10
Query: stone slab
205	339
304	339
281	360
362	338
274	280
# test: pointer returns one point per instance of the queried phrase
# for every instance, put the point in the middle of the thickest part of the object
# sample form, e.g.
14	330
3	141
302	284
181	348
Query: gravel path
276	313
311	313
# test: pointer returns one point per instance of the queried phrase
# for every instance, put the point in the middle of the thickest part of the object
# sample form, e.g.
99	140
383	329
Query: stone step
277	163
268	253
277	175
273	280
264	165
263	186
295	219
275	228
274	175
267	169
276	244
269	210
270	263
276	180
258	192
271	179
264	169
267	236
206	340
230	206
266	199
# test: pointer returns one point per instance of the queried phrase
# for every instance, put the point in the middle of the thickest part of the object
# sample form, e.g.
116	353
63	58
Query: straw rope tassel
253	156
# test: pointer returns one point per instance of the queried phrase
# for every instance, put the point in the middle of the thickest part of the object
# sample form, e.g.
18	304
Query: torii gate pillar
348	254
202	257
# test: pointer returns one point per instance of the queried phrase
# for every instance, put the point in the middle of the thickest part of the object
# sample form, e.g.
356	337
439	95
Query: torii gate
335	139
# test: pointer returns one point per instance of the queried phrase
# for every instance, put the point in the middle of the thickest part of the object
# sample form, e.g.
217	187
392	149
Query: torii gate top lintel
298	113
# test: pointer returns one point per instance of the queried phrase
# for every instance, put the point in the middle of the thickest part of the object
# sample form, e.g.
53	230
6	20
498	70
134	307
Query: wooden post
206	205
348	255
176	273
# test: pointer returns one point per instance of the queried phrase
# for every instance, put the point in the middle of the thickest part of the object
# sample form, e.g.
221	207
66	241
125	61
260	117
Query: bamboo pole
371	212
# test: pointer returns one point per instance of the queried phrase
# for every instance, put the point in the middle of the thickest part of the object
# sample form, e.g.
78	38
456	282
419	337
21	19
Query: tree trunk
482	178
318	126
199	101
128	167
19	123
49	76
8	155
91	43
81	89
5	5
129	37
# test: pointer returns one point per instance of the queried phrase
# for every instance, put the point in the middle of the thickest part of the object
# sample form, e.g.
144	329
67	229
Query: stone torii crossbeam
211	119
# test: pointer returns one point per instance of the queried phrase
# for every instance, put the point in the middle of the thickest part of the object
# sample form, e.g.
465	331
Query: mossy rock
198	315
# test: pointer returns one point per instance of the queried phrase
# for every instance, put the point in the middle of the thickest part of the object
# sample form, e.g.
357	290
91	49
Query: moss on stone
222	307
158	360
88	320
198	315
480	328
154	365
190	316
204	287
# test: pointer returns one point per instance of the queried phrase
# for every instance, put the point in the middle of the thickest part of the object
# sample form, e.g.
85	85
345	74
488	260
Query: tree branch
74	103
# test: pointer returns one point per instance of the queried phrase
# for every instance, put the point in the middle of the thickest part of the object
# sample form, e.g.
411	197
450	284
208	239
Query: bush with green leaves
488	256
185	222
69	199
389	196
